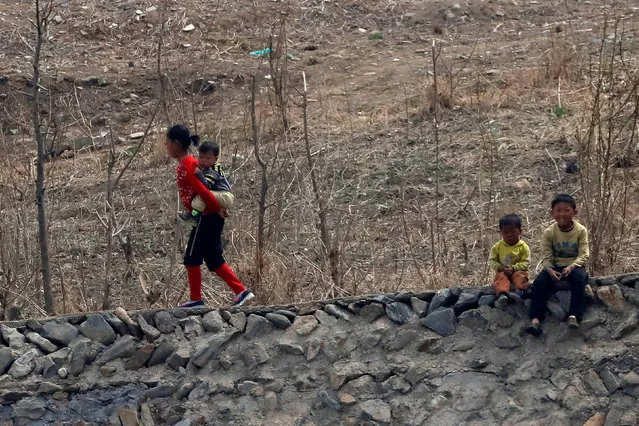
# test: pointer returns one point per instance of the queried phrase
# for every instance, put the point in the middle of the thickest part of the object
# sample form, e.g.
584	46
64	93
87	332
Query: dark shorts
205	243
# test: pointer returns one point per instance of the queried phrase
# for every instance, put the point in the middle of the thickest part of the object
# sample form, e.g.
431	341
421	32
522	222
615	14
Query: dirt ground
407	208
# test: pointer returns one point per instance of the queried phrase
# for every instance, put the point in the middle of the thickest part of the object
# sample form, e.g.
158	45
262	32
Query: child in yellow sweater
565	251
509	258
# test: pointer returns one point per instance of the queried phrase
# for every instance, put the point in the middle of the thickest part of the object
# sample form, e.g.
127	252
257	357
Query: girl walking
205	241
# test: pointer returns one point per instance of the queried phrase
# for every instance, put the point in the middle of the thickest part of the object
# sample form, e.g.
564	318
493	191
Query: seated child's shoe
187	219
243	297
502	301
572	322
192	304
534	328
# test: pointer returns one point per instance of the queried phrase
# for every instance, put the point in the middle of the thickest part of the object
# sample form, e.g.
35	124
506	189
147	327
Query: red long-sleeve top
189	186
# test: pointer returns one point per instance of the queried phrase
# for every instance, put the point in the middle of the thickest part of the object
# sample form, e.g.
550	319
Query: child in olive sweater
565	251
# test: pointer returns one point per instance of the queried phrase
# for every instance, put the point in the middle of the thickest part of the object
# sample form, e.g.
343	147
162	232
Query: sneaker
192	304
243	297
502	301
572	322
534	329
187	219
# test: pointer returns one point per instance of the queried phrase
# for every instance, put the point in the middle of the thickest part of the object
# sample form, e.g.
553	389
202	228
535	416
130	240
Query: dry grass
371	109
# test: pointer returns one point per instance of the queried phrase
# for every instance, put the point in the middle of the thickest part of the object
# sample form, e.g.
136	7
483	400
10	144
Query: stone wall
444	358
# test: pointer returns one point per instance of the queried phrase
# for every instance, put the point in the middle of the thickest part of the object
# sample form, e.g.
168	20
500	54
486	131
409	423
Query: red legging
205	246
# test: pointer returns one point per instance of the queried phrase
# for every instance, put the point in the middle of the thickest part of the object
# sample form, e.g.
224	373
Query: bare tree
42	15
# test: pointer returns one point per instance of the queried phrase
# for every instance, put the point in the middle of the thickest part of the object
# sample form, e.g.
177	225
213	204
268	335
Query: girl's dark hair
209	146
181	134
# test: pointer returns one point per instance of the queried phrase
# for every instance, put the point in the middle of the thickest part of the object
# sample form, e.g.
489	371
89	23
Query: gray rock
468	299
506	340
304	325
630	379
337	312
473	319
486	300
249	387
324	318
442	322
192	326
43	344
6	359
49	369
200	392
93	347
279	321
591	320
238	320
185	389
122	348
48	388
363	387
213	322
34	325
60	357
24	365
255	355
611	381
63	373
464	345
140	357
563	297
165	322
79	358
376	410
329	400
116	323
445	298
312	348
629	324
430	344
288	314
396	384
149	331
401	339
161	391
419	306
371	312
161	353
399	312
12	337
257	326
211	349
290	348
631	295
270	401
30	408
556	311
179	359
97	328
60	333
595	383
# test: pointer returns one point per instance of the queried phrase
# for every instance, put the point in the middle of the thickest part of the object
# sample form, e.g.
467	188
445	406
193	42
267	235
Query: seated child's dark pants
544	285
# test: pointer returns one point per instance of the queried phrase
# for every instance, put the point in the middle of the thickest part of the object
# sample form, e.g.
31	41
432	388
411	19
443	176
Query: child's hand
567	270
508	270
553	274
224	213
